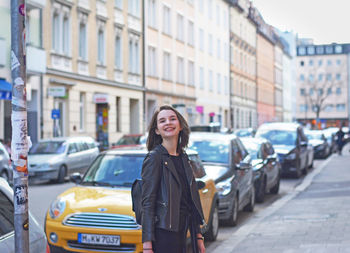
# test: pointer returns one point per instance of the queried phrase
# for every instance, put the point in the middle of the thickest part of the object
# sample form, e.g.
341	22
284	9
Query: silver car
37	238
5	168
56	158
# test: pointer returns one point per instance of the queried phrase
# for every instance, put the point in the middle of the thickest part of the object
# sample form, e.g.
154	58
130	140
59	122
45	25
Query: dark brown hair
154	139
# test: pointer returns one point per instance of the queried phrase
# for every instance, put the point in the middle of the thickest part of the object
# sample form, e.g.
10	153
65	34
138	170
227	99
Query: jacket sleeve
151	176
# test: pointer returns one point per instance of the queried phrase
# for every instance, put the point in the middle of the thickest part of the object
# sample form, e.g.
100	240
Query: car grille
121	248
102	220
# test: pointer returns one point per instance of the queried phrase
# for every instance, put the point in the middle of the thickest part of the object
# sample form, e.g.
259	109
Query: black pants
169	241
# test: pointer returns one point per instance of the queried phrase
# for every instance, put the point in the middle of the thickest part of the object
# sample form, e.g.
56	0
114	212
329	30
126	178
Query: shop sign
57	91
100	98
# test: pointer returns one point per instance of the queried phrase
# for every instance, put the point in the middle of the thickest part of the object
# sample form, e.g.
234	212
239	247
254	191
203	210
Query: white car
57	158
37	238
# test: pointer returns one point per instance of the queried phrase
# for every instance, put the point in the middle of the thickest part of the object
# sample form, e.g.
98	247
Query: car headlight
57	207
224	187
291	156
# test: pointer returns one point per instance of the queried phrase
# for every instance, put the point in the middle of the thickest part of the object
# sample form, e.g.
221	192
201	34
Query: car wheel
213	230
61	174
232	221
250	206
4	175
276	187
260	194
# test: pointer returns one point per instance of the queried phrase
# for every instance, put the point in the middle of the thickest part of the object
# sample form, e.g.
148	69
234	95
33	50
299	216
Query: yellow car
96	215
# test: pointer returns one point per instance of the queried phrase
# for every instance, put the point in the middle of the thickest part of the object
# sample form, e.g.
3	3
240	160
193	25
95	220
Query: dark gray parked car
5	168
226	160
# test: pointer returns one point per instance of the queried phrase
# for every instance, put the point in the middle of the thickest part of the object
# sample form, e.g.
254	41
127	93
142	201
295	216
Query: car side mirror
271	158
243	166
200	184
75	178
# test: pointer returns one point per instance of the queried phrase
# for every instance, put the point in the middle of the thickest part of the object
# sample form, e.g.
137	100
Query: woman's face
168	124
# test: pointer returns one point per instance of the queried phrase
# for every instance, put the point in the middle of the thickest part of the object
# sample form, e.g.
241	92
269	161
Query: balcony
36	60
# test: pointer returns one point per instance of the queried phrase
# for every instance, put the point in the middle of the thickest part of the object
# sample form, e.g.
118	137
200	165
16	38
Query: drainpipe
143	68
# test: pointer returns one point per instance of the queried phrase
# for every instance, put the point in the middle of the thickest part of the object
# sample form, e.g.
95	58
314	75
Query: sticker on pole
21	198
14	61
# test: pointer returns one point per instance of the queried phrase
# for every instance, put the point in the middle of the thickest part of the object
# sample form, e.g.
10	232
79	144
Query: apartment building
170	56
243	50
35	63
278	79
93	82
323	84
265	48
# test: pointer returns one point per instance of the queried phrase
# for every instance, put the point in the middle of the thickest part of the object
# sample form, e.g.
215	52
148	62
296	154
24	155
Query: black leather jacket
161	193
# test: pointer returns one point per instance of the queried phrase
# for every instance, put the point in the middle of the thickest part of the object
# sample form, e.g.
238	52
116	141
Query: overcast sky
325	21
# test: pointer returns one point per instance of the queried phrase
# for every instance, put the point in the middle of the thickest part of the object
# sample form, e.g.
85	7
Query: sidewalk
313	218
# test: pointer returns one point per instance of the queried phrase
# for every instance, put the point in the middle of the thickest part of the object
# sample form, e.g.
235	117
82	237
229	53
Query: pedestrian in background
340	139
170	199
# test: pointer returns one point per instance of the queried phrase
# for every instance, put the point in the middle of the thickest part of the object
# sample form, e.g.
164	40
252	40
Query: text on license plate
99	239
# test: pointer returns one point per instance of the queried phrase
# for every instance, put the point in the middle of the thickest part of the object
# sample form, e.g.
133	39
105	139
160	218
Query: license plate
99	239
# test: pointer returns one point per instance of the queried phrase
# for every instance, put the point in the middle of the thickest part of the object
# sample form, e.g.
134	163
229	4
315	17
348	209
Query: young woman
170	199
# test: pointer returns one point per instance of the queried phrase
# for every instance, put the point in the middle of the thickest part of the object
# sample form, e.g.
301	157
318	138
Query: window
210	80
311	50
82	41
340	107
119	4
180	70
134	7
320	77
210	9
225	51
301	50
118	50
166	20
329	108
152	61
320	62
65	35
338	77
219	82
82	111
329	50
226	85
6	215
302	78
329	77
134	54
152	13
319	50
329	91
311	63
320	91
311	91
191	73
311	78
338	49
190	33
218	48
201	39
301	63
217	15
338	62
302	92
55	32
118	114
167	66
303	108
329	62
180	27
338	91
201	77
210	44
101	46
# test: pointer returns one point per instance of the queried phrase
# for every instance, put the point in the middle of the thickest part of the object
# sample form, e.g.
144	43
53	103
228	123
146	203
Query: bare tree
319	85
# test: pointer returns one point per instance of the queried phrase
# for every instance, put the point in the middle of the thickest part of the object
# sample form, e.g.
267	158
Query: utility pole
19	144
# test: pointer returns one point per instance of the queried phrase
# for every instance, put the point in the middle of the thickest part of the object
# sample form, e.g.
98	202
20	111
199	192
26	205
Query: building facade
93	83
170	56
323	82
278	77
243	48
212	62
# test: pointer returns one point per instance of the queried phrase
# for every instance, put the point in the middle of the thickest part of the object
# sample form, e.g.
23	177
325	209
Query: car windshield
279	137
253	149
48	147
114	170
243	133
129	140
211	151
314	136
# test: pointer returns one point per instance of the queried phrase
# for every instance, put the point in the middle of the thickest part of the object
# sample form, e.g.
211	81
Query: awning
5	90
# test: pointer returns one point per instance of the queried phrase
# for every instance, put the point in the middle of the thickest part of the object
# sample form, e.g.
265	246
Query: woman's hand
147	247
200	243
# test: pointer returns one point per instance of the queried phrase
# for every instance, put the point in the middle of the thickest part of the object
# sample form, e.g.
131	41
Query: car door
272	165
302	146
73	158
248	173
